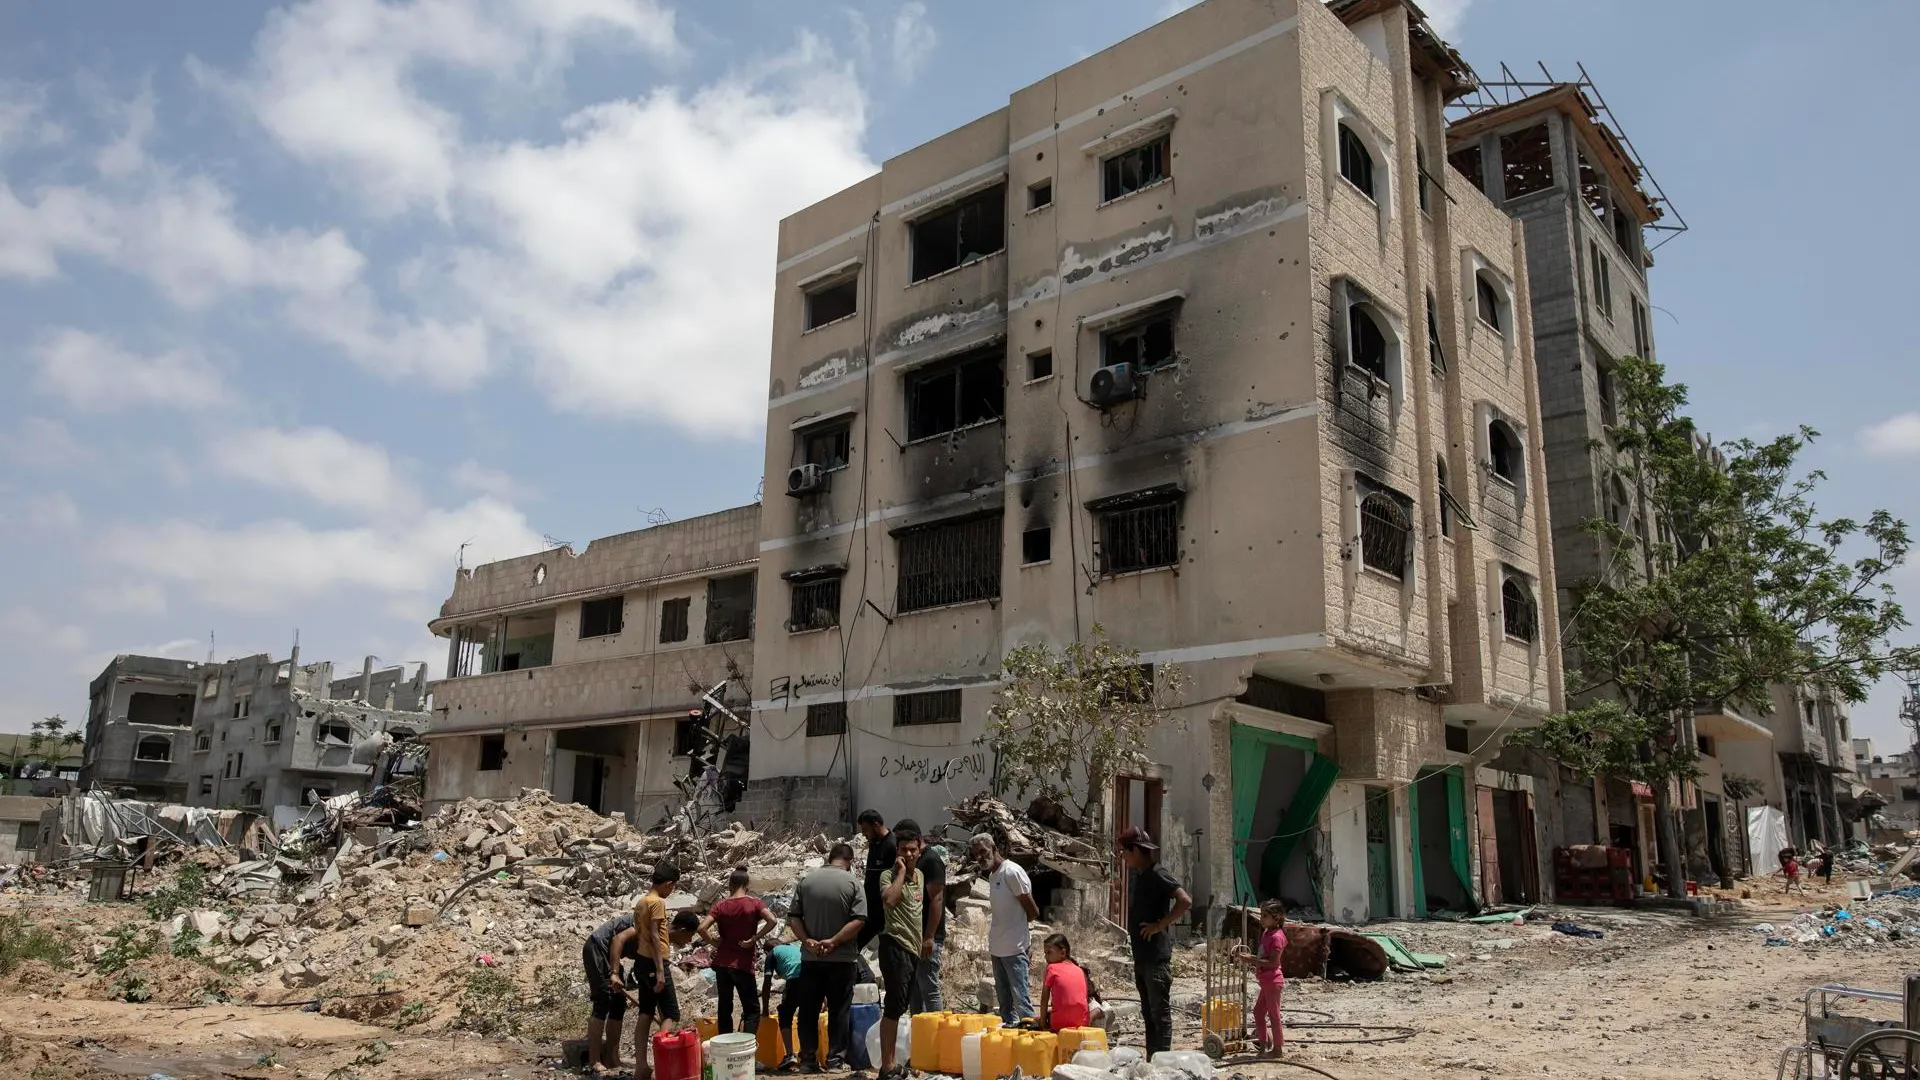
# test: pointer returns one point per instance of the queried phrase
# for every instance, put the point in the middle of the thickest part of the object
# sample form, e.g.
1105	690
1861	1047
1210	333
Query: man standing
734	928
1155	901
903	891
881	852
653	988
1008	937
829	908
926	983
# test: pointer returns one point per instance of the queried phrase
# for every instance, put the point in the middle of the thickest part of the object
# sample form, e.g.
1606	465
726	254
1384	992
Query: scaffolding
1490	94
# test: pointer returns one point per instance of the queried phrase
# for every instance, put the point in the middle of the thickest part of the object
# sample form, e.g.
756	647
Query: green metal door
1379	853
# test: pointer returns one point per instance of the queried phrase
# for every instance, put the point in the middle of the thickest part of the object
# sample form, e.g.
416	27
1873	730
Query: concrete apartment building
575	672
1195	340
1807	770
252	732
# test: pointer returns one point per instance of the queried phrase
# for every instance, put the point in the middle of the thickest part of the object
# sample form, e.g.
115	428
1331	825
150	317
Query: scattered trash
1572	929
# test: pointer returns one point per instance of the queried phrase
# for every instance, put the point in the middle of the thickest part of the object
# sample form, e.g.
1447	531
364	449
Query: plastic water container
1075	1039
952	1029
866	993
1034	1053
769	1039
1093	1059
733	1054
861	1019
926	1041
902	1045
970	1055
707	1026
996	1054
676	1055
1192	1062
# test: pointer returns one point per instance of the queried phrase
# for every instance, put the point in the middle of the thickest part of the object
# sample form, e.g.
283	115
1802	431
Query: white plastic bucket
733	1055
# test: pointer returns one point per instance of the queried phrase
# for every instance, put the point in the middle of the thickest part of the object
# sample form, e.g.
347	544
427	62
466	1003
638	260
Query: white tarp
1767	834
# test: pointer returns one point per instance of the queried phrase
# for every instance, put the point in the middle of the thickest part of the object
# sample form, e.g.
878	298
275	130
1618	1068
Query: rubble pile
1023	836
1889	918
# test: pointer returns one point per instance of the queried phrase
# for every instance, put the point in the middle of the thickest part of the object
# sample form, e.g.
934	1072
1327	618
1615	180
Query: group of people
1819	862
899	907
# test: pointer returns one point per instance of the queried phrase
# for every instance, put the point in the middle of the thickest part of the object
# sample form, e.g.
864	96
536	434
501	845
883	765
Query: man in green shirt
902	892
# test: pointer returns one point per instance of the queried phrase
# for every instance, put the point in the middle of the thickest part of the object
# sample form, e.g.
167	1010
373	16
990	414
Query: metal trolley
1224	1014
1842	1046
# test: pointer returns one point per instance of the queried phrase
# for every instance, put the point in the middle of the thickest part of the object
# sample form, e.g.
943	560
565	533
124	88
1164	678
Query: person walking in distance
903	891
829	909
880	856
734	928
1155	901
1008	938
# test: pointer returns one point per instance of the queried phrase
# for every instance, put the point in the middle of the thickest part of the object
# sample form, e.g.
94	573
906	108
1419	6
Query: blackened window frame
603	616
676	618
814	598
983	212
737	624
956	393
1144	525
1136	168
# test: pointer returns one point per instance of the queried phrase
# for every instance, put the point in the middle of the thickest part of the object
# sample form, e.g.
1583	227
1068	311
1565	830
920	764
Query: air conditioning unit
1113	385
806	479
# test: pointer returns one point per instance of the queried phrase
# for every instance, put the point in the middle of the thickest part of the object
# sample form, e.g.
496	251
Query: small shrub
186	944
414	1013
132	987
187	891
487	1002
130	945
21	941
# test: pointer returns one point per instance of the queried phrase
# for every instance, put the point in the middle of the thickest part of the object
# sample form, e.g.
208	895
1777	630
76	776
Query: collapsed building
254	733
1198	341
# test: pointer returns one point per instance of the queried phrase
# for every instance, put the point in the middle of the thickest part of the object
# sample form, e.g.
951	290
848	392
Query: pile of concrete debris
1889	918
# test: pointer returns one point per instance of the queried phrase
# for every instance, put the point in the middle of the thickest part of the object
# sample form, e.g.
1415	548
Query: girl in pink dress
1267	1024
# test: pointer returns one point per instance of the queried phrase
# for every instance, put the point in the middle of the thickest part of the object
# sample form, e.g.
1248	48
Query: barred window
1139	531
1386	532
816	603
932	707
827	718
1519	614
950	562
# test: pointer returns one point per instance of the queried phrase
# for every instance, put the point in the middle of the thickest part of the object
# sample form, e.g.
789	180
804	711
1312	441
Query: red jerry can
676	1055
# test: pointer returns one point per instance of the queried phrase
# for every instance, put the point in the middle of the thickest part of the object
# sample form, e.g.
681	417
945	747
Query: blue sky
296	303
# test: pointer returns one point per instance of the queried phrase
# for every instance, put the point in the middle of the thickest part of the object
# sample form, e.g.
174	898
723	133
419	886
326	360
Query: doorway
1379	853
1441	864
1279	783
1716	829
1136	804
1518	851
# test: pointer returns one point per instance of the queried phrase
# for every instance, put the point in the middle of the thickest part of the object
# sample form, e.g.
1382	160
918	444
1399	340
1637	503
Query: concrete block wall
797	802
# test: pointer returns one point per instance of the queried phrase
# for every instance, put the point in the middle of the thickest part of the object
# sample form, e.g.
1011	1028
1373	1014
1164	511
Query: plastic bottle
970	1059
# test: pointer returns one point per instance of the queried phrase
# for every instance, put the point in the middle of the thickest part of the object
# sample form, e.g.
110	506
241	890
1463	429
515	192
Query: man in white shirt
1008	940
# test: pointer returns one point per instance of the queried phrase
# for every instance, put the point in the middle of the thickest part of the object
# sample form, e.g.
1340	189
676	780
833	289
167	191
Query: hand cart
1842	1046
1224	1013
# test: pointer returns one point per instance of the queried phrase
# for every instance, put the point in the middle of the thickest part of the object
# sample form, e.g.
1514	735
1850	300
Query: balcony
1724	722
590	690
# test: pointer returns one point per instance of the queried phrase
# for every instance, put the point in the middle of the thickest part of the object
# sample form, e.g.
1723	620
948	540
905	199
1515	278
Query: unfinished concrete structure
253	733
575	672
1197	341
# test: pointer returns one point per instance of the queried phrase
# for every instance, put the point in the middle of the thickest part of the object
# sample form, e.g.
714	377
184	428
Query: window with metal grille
816	604
957	393
1487	298
827	718
1356	161
1130	170
1366	341
1436	354
949	562
931	707
730	608
1503	451
973	228
600	618
1146	344
1139	533
829	446
1519	616
673	619
202	742
1386	531
833	301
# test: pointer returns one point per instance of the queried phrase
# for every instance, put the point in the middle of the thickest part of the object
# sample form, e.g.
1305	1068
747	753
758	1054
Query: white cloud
54	511
42	443
92	373
319	464
1896	436
127	154
130	598
23	119
272	565
1446	15
913	39
481	480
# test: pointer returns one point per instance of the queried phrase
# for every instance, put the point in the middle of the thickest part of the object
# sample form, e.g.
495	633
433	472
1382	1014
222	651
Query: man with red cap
1155	901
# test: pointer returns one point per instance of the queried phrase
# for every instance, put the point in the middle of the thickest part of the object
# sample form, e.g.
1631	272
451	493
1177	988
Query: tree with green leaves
1740	586
1065	723
48	741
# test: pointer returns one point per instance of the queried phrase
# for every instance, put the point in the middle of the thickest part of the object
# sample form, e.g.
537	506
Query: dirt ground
1663	994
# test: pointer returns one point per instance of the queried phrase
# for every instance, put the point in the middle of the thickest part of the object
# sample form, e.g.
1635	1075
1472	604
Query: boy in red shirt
1067	989
740	920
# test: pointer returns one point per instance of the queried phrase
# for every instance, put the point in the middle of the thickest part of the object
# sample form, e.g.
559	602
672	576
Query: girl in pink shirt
1267	1025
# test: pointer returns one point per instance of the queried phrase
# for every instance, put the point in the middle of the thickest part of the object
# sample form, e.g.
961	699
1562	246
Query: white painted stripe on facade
1227	650
1161	82
950	184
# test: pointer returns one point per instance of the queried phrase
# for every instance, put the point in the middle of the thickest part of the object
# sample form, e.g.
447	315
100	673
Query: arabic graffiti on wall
932	770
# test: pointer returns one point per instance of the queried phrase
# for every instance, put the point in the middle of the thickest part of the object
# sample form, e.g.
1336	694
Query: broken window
1130	170
1366	341
1642	330
603	617
1519	616
1420	162
730	608
931	707
206	785
957	393
493	753
826	718
242	705
948	562
1603	389
1466	162
273	732
833	301
333	733
970	229
815	600
172	709
689	735
1526	161
1503	451
212	687
309	796
1040	195
1356	161
1386	531
1039	365
154	748
1036	545
250	795
1624	227
829	446
1593	188
1602	279
1436	355
202	742
1146	343
1139	531
1487	300
673	619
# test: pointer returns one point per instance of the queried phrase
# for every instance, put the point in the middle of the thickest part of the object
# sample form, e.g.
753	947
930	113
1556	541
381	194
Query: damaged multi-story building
1198	341
1807	769
252	733
587	673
